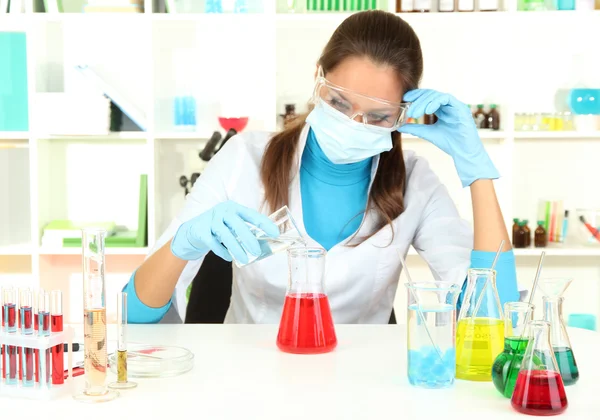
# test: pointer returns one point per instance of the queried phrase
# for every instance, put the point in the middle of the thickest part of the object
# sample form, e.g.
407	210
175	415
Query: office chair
211	292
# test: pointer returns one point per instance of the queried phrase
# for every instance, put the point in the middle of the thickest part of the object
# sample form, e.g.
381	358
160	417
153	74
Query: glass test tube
122	382
3	347
94	319
44	331
10	325
36	316
56	320
26	316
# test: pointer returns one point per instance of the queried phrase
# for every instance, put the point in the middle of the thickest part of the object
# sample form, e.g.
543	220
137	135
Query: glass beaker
306	325
480	333
539	390
506	367
561	345
289	236
94	319
431	333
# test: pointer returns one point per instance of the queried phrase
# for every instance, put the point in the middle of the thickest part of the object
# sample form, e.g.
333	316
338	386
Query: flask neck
306	271
553	310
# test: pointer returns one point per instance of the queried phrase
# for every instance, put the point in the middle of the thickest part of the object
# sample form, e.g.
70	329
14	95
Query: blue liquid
585	101
566	5
214	6
427	370
185	112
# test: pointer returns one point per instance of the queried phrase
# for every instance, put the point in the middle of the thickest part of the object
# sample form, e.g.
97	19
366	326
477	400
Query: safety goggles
374	111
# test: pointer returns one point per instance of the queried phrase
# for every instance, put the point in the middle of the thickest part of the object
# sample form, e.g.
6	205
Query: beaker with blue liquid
431	333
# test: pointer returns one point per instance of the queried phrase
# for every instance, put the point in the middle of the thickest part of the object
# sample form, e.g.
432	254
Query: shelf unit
260	62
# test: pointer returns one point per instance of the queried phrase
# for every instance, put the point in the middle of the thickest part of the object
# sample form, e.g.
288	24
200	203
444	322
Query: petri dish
148	361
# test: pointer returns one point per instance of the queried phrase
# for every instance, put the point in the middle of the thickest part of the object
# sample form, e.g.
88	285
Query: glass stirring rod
122	381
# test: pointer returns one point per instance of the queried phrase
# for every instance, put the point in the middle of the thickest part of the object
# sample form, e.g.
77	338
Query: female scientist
349	185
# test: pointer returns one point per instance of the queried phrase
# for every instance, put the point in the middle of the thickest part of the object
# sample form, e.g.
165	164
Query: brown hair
387	40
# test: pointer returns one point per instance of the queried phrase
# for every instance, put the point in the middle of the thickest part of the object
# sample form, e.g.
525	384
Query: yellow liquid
95	357
478	342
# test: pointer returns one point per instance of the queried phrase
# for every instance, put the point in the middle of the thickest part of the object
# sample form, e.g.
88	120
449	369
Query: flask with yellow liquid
480	333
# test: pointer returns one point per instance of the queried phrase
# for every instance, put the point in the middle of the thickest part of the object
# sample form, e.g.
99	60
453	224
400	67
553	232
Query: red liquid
45	321
12	361
306	325
238	124
12	315
539	393
28	364
3	350
36	358
57	353
35	321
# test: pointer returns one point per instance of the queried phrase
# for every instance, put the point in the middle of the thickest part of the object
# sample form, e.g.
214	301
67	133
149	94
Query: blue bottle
214	6
565	5
585	101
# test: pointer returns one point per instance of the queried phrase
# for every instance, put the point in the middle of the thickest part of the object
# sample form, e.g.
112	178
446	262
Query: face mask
344	140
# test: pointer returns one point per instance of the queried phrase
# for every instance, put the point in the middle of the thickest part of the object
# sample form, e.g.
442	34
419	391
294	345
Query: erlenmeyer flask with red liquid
539	390
306	325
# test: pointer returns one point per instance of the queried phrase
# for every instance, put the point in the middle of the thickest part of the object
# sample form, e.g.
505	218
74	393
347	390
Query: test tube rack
42	343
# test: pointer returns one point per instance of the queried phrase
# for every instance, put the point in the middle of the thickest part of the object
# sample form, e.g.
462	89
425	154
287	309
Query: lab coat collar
295	196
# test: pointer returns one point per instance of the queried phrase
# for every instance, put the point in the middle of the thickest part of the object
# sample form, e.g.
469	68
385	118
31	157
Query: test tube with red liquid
10	322
44	331
56	315
26	317
36	355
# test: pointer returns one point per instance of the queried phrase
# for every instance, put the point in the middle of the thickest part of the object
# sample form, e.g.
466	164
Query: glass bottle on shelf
541	237
515	230
466	5
561	345
446	6
527	233
488	5
480	117
520	236
506	367
539	390
493	118
421	6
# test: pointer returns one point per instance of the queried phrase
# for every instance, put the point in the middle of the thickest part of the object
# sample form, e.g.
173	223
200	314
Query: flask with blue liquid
584	101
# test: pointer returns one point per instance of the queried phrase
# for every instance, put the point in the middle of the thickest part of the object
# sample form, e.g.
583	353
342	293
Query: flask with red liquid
539	390
306	325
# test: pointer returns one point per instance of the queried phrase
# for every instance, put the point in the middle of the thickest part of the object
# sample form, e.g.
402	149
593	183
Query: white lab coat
360	281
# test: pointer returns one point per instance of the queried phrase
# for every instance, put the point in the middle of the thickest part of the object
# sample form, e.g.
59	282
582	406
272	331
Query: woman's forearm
156	278
489	225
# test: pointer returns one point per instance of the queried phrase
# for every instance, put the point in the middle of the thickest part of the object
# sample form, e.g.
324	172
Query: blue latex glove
216	231
454	132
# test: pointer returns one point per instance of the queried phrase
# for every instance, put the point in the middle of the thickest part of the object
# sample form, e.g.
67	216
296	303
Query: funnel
554	287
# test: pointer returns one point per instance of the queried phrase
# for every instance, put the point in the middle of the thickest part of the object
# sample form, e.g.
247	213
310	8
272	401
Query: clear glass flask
306	325
561	345
289	236
94	319
506	367
431	333
480	333
122	381
539	390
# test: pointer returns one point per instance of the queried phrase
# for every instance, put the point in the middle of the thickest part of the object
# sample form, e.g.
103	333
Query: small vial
10	325
56	319
26	316
540	238
44	331
122	382
527	233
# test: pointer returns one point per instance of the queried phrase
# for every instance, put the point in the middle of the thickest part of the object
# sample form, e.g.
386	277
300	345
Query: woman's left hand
455	133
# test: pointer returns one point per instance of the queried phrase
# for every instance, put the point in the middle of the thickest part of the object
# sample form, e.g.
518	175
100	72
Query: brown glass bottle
429	119
527	234
520	236
289	116
493	118
480	117
541	238
515	229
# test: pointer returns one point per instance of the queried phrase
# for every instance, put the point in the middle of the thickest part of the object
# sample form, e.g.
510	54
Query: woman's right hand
216	230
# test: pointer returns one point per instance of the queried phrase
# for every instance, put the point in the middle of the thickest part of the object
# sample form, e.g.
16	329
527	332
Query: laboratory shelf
123	135
560	135
77	251
483	134
182	135
557	251
17	249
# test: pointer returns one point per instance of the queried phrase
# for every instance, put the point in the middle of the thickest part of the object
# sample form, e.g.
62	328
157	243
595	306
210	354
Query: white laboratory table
240	374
